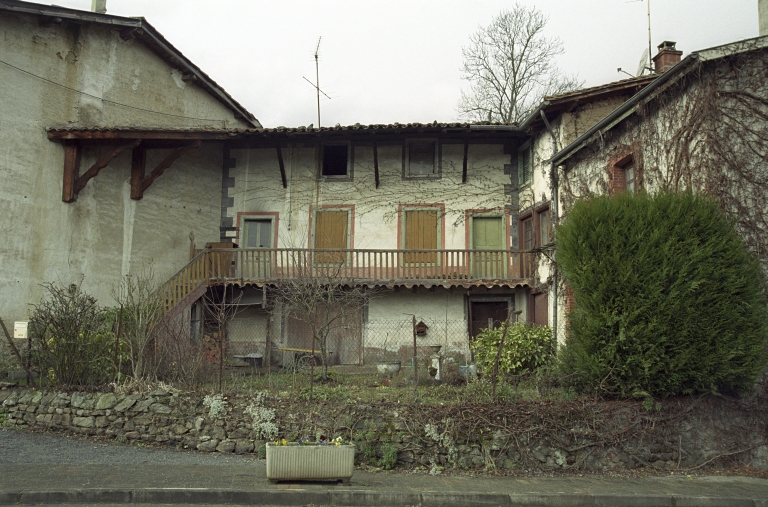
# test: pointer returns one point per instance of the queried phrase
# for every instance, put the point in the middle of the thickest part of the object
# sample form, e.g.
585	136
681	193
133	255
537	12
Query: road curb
362	498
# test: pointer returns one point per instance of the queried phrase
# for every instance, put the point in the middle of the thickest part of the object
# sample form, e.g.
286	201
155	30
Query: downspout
555	219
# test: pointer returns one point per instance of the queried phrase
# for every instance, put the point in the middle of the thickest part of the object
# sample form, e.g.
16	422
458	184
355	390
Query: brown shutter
420	234
331	232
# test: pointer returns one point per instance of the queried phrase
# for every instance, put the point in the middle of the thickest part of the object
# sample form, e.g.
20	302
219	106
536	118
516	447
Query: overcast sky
398	60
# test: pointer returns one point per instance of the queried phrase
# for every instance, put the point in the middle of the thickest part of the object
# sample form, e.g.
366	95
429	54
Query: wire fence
392	340
254	334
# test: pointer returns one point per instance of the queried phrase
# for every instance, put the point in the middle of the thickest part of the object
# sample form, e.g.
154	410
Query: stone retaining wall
524	437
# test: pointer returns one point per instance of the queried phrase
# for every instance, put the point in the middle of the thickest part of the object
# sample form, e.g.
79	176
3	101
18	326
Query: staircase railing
186	281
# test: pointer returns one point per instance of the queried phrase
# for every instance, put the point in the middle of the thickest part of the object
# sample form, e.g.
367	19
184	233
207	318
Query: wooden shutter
421	234
331	232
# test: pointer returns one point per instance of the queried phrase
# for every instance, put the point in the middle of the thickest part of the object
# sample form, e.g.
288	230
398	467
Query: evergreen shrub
527	347
668	300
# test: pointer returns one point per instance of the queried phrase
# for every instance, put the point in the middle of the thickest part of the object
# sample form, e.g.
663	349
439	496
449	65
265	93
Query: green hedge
668	299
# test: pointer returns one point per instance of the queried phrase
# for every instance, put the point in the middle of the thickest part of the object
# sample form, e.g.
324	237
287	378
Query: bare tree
510	67
324	296
142	309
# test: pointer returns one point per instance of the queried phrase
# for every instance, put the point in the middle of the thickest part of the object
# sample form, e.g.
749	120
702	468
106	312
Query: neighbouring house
120	204
700	125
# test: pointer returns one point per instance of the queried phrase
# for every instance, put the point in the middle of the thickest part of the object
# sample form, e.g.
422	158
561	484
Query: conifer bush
668	299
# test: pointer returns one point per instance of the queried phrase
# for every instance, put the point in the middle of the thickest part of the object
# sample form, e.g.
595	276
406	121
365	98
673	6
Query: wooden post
464	166
138	167
71	172
415	365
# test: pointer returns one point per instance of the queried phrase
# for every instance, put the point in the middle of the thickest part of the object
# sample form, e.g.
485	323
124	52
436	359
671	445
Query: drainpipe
555	218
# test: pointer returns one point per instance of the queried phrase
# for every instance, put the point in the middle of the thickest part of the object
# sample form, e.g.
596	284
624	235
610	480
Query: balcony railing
366	266
373	267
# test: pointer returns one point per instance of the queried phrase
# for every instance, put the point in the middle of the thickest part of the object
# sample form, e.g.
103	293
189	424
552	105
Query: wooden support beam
100	164
376	163
165	164
464	167
282	166
138	165
71	171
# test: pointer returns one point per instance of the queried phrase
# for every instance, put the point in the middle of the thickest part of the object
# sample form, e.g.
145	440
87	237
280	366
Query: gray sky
397	60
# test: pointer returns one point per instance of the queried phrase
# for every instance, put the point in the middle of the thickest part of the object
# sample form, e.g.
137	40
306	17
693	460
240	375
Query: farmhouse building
121	154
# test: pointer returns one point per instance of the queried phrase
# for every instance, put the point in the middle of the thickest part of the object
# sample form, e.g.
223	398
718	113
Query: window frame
533	215
438	165
349	176
243	216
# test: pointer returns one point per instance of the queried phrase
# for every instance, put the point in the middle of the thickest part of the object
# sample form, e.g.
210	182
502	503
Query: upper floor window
525	164
544	228
421	158
336	160
258	233
536	228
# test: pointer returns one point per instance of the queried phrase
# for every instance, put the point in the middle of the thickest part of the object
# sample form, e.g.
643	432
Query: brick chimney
99	6
667	57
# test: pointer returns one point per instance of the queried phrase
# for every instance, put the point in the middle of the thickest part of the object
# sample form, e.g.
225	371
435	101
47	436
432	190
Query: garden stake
498	354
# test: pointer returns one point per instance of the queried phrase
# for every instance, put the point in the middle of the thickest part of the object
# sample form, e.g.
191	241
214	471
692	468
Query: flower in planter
307	441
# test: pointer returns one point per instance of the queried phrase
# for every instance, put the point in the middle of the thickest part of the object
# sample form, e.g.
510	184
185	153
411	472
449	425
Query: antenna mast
316	84
650	61
317	70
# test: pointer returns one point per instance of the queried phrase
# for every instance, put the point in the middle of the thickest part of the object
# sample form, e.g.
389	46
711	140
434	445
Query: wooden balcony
266	265
365	267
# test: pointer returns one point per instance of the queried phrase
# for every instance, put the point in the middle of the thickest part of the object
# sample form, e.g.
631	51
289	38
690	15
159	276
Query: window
528	233
629	177
544	229
536	228
331	232
335	160
421	232
525	164
258	233
421	158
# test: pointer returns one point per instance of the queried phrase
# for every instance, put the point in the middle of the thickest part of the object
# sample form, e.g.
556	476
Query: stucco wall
258	189
104	234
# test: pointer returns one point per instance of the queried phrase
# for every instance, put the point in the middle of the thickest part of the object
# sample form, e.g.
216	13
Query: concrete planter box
310	462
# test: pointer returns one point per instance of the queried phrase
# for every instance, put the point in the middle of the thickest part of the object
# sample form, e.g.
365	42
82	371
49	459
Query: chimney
667	57
762	16
99	6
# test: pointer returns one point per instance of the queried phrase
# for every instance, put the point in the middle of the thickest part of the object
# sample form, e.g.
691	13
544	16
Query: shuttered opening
331	232
421	234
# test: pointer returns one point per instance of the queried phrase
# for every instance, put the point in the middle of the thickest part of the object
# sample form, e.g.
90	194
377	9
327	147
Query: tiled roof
604	88
392	127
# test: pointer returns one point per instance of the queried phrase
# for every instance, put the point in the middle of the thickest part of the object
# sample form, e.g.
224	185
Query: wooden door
488	234
483	312
257	234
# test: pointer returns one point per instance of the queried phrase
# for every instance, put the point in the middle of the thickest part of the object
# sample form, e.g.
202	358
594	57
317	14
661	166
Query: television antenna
316	84
647	53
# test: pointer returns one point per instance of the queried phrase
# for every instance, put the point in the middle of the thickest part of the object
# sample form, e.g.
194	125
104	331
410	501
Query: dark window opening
421	158
335	160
